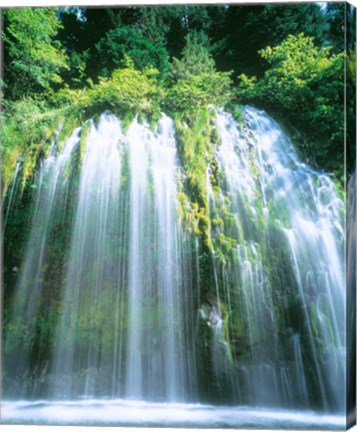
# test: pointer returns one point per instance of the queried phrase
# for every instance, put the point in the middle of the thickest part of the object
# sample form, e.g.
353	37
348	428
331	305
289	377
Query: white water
123	284
51	186
155	357
11	194
351	302
137	413
132	300
50	205
93	261
283	210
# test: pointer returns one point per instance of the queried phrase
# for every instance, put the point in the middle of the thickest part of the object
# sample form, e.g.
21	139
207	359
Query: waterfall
155	330
49	210
123	290
95	268
351	300
117	298
11	194
284	211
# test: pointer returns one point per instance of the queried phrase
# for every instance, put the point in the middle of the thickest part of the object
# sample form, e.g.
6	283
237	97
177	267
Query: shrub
306	85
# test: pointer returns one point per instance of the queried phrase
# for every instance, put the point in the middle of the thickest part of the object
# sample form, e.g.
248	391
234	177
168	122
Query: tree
33	58
81	30
150	35
126	41
188	19
305	83
249	29
193	79
335	14
195	59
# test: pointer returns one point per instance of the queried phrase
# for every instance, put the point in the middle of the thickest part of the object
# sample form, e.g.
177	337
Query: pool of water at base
118	412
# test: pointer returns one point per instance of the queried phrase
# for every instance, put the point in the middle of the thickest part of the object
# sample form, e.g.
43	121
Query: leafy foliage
194	80
125	41
127	92
247	30
306	84
199	91
31	51
195	59
26	126
76	60
336	13
351	89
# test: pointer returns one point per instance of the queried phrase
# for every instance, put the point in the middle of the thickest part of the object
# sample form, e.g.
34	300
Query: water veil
150	324
286	283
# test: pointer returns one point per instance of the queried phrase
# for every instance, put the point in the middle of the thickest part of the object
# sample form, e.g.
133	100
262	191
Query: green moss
215	139
217	222
253	167
83	139
125	172
69	125
153	120
237	112
27	130
126	120
315	327
196	154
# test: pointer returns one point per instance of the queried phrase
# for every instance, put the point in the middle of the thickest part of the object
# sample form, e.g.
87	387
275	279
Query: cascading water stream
95	269
351	300
283	207
155	361
50	205
11	194
124	284
139	315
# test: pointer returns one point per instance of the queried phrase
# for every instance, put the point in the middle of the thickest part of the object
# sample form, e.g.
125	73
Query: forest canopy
288	59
